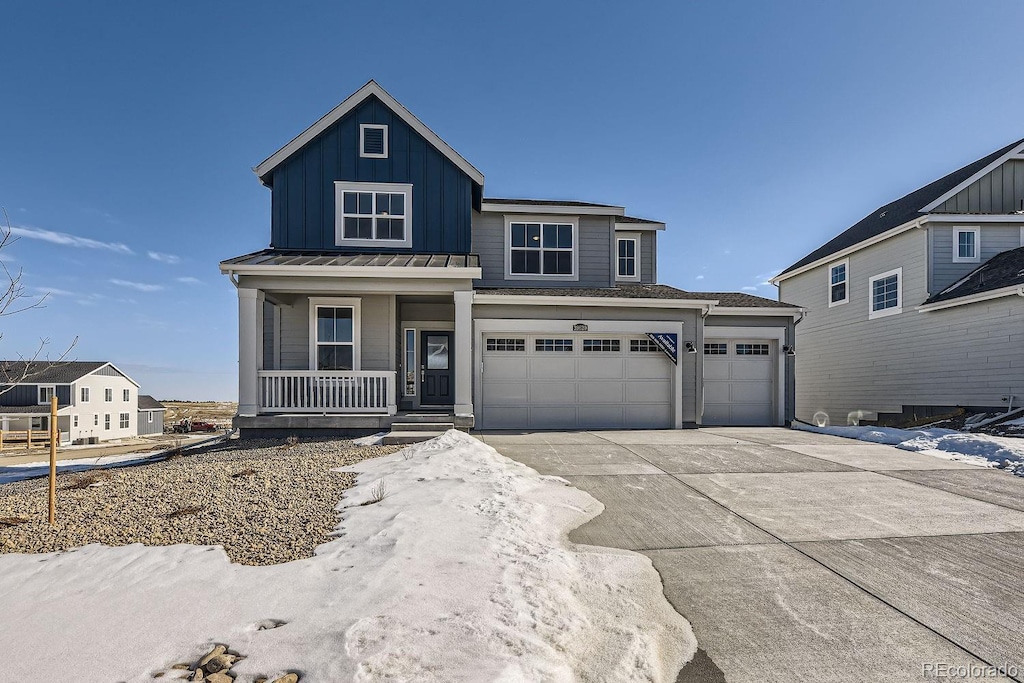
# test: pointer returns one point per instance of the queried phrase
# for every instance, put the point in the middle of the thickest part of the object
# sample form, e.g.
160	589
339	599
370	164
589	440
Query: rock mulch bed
265	501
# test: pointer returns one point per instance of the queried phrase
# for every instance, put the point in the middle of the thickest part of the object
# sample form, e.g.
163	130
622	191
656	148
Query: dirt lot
218	412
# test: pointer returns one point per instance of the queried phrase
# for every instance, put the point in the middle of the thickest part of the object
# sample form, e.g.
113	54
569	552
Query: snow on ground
461	572
975	449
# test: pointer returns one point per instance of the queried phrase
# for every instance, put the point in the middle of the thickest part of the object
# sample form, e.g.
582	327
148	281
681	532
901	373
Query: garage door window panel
643	346
554	345
506	344
601	346
716	349
752	349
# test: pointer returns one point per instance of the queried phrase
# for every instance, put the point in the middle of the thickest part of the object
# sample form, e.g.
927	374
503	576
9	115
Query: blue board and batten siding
303	198
28	395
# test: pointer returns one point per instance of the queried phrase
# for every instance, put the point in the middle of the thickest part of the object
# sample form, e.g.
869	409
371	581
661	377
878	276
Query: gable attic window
539	249
967	245
373	214
373	141
838	290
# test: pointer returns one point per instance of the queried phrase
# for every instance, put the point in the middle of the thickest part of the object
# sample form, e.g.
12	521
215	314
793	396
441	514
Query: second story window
108	395
126	395
85	394
838	292
541	249
373	214
886	294
967	245
627	258
45	394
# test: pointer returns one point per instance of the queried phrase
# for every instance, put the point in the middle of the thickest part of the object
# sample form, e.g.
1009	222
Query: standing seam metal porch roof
272	257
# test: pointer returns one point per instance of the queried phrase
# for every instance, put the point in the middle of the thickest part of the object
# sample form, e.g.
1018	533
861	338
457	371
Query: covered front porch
329	345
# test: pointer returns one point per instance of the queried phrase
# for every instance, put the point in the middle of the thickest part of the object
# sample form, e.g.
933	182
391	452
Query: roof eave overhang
350	103
542	300
1012	290
555	208
783	311
638	227
391	272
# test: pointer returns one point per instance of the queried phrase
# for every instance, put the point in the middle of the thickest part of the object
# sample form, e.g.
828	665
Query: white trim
343	186
614	302
39	388
974	218
957	229
389	272
1014	152
491	326
842	253
846	282
554	208
973	298
885	312
759	311
86	397
405	362
105	390
633	237
559	220
336	302
639	227
362	140
776	334
350	103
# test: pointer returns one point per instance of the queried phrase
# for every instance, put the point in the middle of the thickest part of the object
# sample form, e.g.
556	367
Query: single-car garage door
739	382
575	381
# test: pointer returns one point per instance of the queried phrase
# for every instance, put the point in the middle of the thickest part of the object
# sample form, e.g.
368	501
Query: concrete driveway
807	557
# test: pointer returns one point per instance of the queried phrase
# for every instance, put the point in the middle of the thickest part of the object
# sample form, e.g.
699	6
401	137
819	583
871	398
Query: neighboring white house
96	401
919	307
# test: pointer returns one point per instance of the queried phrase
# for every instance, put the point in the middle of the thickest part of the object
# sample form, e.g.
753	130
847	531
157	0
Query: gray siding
108	371
375	336
995	238
595	244
848	365
1000	191
648	256
154	427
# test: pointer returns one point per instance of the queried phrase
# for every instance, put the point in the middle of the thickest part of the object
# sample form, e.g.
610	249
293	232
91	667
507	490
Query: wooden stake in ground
53	458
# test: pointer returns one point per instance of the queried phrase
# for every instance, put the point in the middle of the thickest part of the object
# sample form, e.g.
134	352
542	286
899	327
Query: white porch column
464	353
250	346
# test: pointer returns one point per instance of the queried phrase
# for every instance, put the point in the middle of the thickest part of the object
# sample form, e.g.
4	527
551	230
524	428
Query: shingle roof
901	211
1005	269
634	291
28	410
634	219
45	372
280	257
149	403
547	202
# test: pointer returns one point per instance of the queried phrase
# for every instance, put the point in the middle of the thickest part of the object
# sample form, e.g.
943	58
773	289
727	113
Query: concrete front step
421	426
405	437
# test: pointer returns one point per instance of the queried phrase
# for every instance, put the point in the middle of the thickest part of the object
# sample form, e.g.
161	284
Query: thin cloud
68	240
189	280
52	291
700	277
141	286
749	289
164	258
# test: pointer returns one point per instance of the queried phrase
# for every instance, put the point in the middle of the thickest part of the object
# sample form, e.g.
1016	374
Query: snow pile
975	449
452	565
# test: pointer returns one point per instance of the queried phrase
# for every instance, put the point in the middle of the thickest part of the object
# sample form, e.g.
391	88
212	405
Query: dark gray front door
436	375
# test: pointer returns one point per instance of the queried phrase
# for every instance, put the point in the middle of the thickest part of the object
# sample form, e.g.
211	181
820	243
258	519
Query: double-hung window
125	420
85	394
108	395
373	214
126	395
967	245
627	258
334	334
541	249
46	392
886	294
838	283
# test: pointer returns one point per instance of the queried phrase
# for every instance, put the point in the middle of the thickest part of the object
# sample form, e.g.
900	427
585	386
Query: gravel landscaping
265	501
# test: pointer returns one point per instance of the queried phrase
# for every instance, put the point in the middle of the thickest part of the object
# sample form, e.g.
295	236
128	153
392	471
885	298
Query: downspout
698	379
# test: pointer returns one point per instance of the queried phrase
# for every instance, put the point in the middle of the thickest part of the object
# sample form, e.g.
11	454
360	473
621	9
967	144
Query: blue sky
756	130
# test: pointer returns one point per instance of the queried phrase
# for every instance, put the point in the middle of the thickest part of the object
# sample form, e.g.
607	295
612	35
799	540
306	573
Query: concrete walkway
808	557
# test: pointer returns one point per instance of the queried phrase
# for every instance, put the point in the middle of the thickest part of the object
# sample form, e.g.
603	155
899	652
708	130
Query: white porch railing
327	391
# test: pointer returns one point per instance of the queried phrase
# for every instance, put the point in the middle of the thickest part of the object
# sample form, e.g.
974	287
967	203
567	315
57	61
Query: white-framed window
106	421
885	294
85	394
96	420
541	247
967	245
373	141
838	283
334	334
126	395
373	214
627	257
108	395
149	414
125	420
46	392
74	420
410	361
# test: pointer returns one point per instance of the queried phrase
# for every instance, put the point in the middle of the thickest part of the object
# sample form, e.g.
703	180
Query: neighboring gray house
95	400
919	307
151	415
393	285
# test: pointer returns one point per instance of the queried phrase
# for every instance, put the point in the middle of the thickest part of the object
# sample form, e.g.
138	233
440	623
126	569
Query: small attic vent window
373	141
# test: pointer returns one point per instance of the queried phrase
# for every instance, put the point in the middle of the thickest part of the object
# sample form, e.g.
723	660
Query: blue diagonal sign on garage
668	342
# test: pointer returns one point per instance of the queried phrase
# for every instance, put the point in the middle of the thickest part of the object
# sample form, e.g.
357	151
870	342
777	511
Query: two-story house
95	401
919	307
392	286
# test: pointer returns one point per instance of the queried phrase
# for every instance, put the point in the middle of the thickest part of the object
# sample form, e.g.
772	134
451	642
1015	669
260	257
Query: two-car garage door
575	381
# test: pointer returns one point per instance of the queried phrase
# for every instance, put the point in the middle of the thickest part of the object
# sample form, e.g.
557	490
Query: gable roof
371	89
547	202
46	372
147	402
1005	269
905	209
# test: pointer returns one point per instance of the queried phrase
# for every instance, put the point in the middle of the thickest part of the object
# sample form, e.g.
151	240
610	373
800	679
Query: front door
436	368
